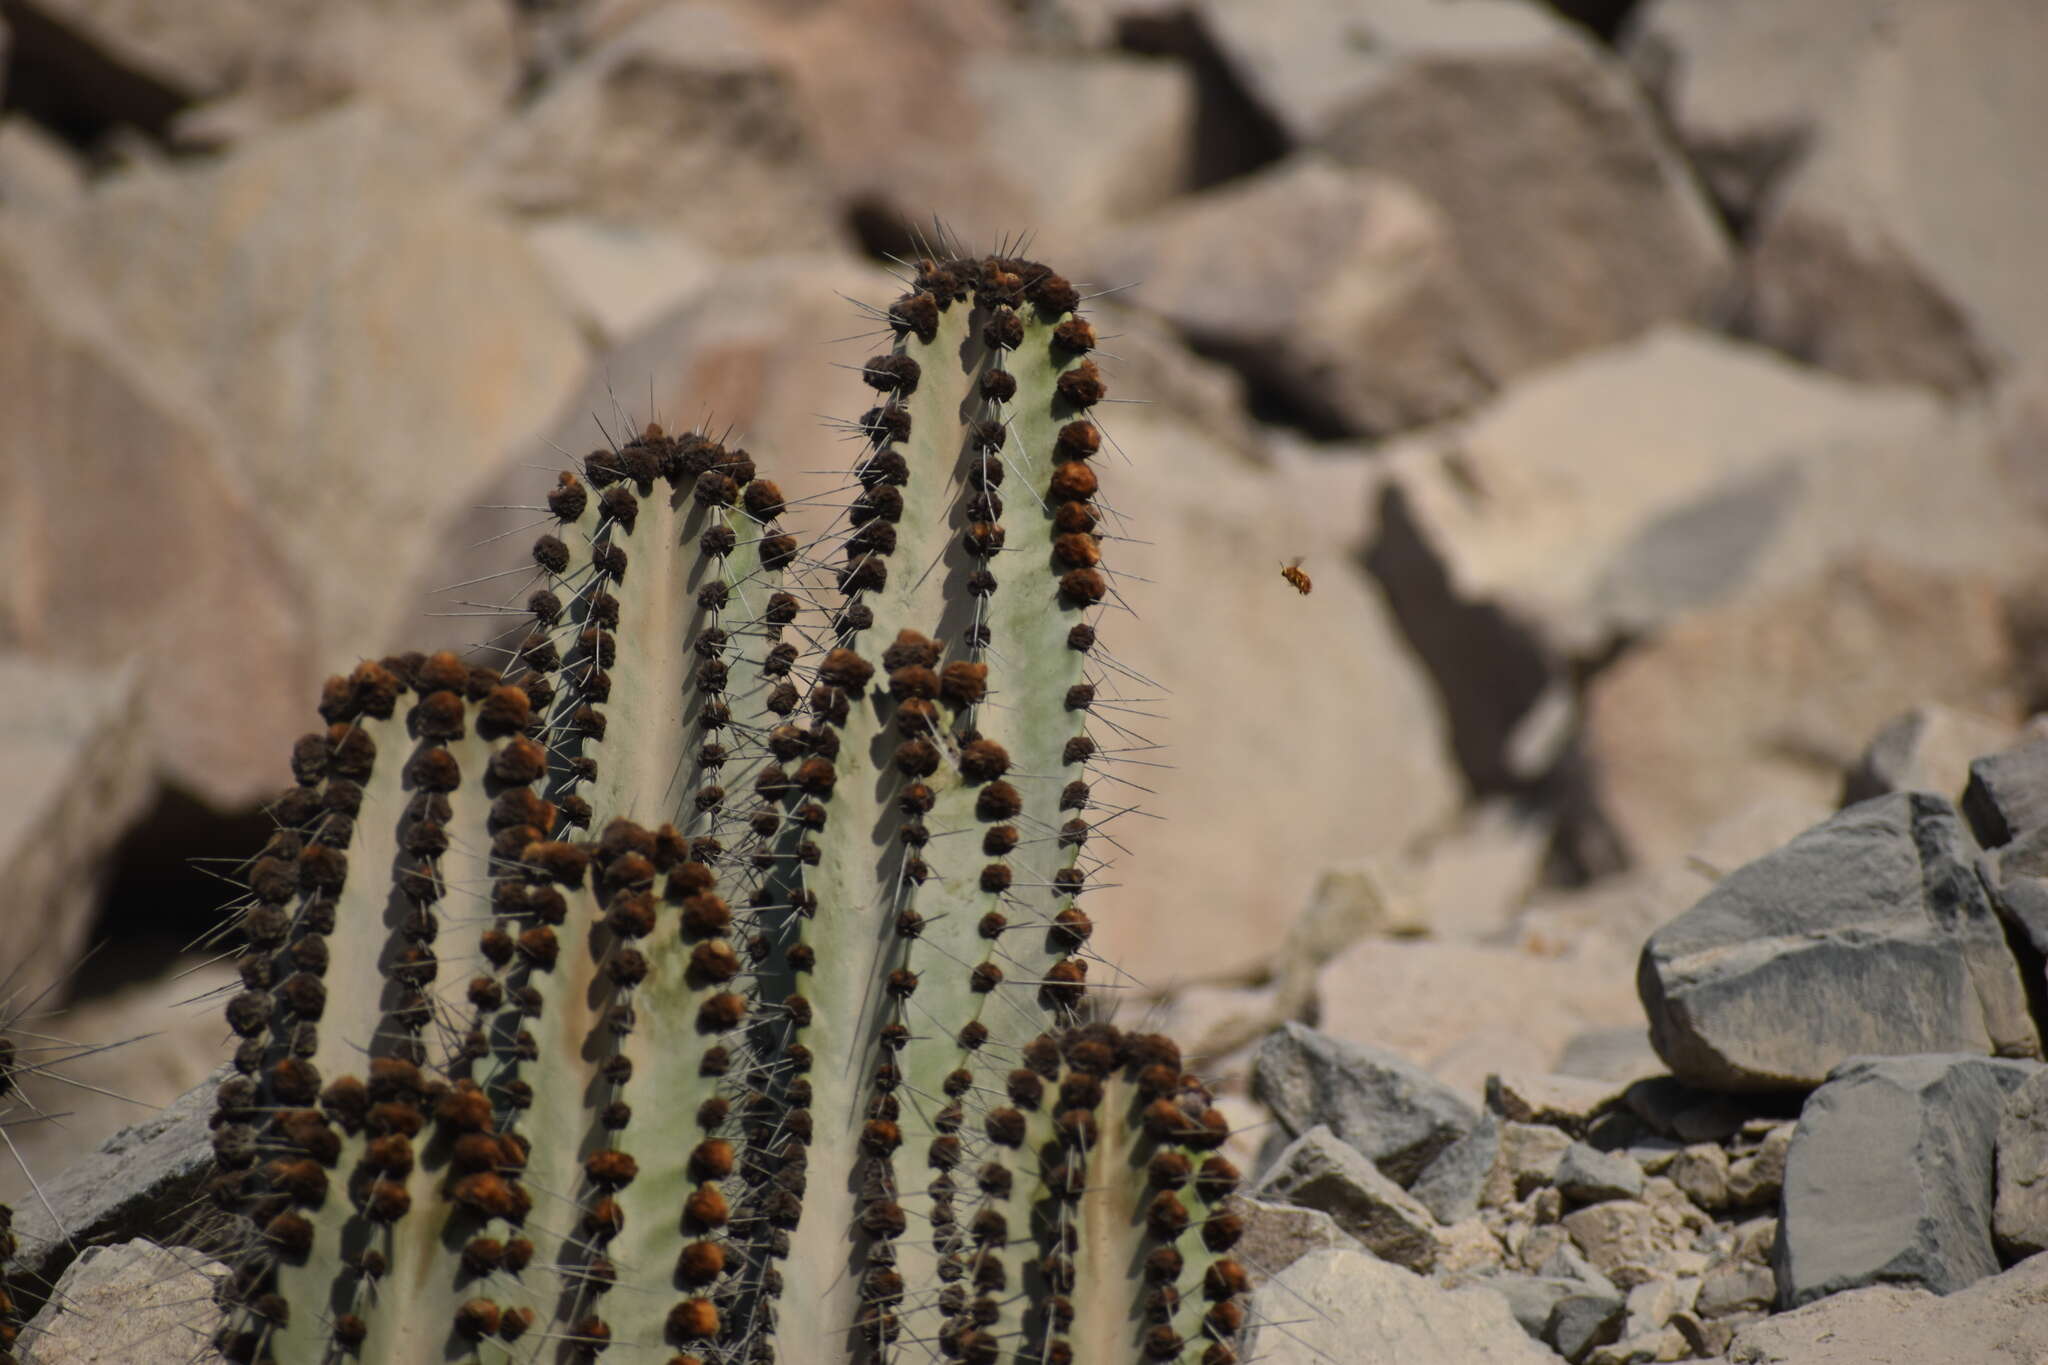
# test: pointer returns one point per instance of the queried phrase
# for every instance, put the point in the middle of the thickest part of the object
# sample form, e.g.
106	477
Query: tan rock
1465	1010
80	771
1353	316
386	343
1572	222
684	121
1773	697
1880	253
137	1303
199	584
1611	495
445	68
1618	1233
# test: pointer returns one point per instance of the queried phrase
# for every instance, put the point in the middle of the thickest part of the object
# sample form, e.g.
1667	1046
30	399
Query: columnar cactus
705	979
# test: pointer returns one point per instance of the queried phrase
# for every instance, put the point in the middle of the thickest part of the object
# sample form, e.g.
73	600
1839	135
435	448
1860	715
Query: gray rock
2020	1216
2007	795
1317	1171
1868	934
142	1182
1620	1055
1586	1175
1579	1322
1417	1130
1531	1297
1889	1178
1995	1319
1351	1307
1278	1235
136	1303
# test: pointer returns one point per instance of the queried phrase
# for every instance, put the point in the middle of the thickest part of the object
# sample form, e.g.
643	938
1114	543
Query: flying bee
1293	574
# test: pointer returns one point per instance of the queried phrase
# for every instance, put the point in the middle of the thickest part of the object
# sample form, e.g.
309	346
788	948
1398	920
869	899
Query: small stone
1755	1240
1567	1262
1469	1248
1531	1297
1701	1171
1417	1130
1318	1171
1278	1235
1580	1322
1587	1176
1654	1154
1566	1102
1666	1343
1528	1158
2007	797
1651	1304
2020	1216
1756	1179
1547	1205
1618	1233
1539	1249
1736	1287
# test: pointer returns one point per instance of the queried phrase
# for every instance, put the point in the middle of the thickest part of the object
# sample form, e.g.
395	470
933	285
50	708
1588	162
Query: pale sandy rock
1995	1319
1618	1234
1744	84
1351	314
1613	494
199	594
1466	1010
619	277
80	768
1929	748
135	1303
446	68
1217	528
1529	1154
684	121
1881	253
1114	135
1354	1307
36	170
1278	1235
1565	1102
1571	220
1774	696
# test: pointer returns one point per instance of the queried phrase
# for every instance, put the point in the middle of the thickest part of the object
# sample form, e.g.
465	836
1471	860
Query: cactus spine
708	983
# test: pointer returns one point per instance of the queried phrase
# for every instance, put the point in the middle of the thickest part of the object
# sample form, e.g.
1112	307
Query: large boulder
1573	224
1608	497
1317	1171
1769	699
1870	933
1879	251
379	345
1889	1179
1352	318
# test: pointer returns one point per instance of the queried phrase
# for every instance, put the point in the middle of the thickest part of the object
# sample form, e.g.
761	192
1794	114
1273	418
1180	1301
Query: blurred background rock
1657	393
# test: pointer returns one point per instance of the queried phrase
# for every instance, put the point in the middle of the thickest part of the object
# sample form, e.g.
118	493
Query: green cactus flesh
707	983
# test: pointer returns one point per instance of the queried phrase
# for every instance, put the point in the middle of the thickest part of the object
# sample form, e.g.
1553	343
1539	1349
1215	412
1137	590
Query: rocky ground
1657	393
